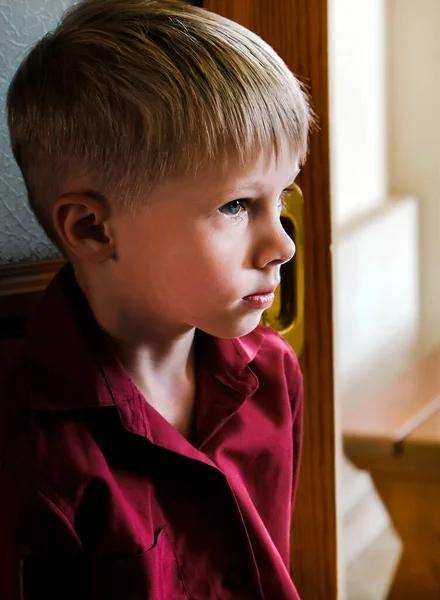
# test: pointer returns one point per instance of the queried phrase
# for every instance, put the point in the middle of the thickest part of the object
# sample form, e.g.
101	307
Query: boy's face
206	251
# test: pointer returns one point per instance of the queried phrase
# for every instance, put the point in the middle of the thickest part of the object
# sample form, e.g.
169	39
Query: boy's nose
277	248
289	248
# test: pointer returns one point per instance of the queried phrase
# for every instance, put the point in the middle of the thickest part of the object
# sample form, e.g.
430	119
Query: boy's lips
266	290
262	298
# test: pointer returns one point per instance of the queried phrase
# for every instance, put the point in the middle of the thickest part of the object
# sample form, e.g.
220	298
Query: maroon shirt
100	498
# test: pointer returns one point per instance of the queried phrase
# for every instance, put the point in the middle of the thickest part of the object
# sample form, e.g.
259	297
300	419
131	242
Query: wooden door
297	29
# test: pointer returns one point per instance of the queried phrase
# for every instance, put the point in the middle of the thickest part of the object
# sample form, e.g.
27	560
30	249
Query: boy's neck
141	341
159	360
166	378
152	357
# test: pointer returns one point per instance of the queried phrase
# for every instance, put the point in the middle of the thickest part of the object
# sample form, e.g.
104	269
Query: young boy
152	429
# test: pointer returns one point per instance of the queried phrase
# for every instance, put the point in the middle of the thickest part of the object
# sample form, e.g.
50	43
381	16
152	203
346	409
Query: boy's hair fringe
125	93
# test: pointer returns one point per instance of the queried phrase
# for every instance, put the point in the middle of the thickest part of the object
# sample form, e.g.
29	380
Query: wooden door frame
298	31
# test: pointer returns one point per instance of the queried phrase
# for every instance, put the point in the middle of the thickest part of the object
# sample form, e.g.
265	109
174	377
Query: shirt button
234	579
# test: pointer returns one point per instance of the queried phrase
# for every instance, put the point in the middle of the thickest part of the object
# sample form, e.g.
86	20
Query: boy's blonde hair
125	93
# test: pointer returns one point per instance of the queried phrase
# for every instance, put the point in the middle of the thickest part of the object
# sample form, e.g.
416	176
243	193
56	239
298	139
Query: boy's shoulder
14	408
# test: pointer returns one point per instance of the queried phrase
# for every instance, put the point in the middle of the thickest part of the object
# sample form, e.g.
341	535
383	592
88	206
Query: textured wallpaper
22	23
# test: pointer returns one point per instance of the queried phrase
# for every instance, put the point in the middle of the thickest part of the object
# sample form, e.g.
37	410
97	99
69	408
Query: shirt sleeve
26	573
31	526
13	480
10	564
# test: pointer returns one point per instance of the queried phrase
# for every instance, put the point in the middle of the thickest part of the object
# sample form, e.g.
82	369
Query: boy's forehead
257	174
263	175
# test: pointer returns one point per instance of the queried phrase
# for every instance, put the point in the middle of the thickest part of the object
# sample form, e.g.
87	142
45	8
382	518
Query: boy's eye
233	208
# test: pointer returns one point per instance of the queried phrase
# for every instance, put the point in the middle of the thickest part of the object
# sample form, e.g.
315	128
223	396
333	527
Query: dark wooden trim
298	29
27	277
20	286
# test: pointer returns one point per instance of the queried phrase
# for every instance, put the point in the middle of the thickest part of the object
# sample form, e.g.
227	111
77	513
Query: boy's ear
82	223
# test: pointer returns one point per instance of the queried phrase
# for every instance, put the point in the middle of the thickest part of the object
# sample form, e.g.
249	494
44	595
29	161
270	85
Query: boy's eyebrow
242	187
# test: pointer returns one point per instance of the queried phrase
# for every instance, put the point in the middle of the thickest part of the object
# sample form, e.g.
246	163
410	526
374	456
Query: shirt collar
72	365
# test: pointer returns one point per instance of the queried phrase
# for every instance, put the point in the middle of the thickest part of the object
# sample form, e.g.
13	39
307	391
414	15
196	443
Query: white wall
376	299
414	137
376	245
358	140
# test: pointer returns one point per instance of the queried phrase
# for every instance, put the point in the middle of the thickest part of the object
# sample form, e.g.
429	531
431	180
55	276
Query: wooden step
380	425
